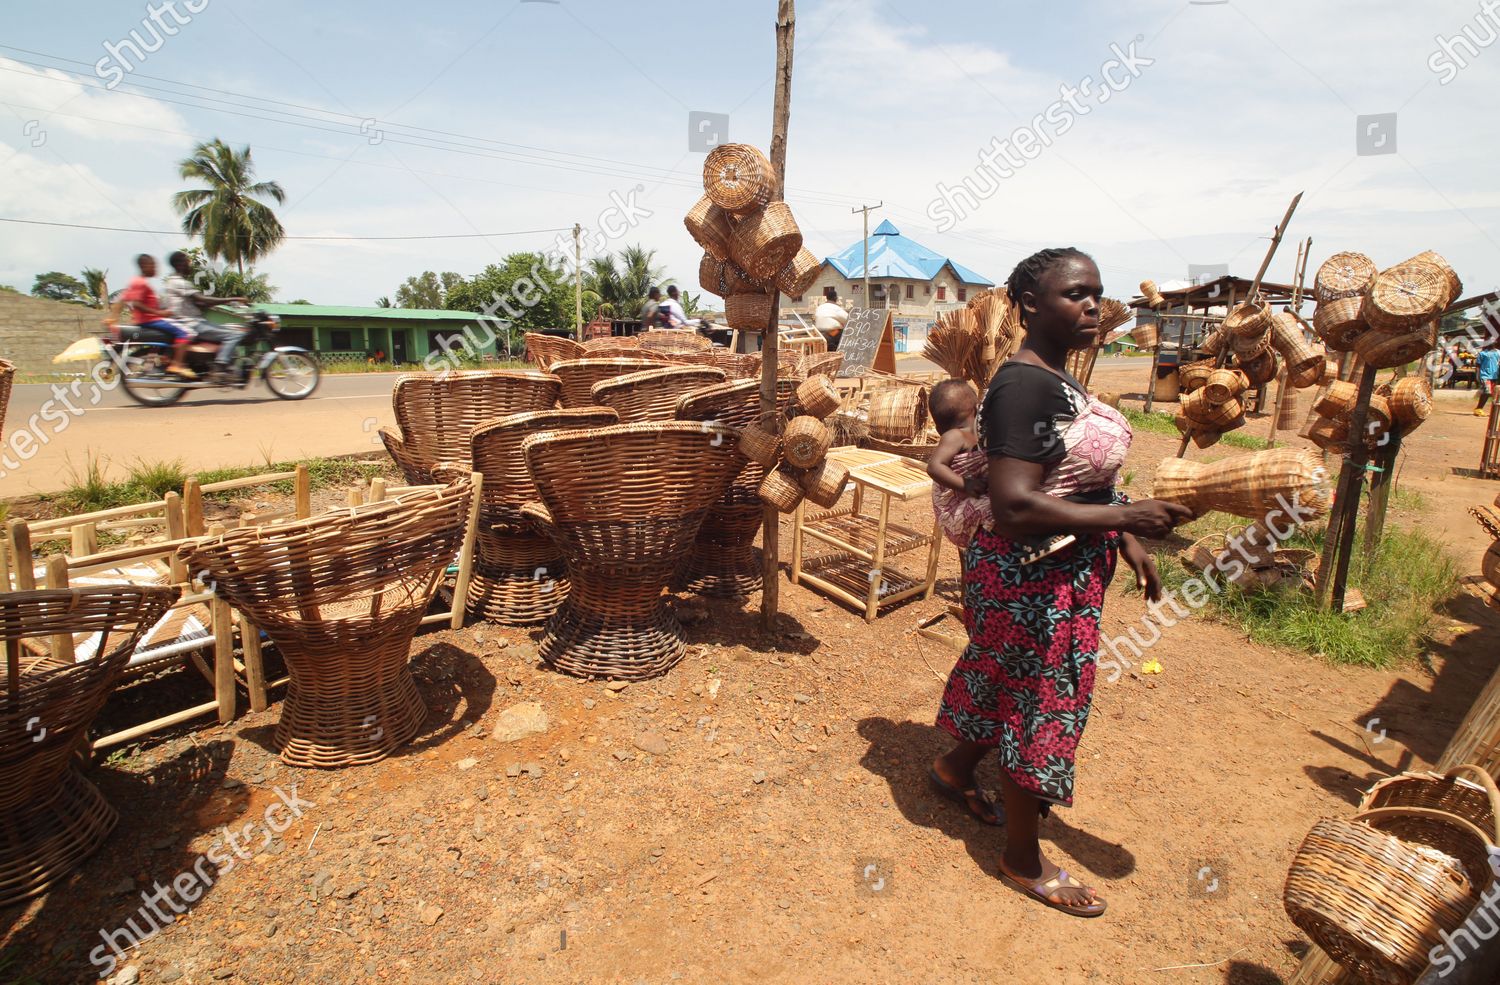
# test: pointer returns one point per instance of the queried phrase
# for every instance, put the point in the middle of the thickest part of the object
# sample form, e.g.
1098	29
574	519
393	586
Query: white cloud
61	102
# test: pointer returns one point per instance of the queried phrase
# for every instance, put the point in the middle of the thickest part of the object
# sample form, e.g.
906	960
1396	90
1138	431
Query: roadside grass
1411	500
1409	577
1159	423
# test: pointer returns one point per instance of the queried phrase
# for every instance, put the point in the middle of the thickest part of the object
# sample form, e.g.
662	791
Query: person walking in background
1025	683
1487	372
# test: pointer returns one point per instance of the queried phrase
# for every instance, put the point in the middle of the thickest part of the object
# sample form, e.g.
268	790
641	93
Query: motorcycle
141	356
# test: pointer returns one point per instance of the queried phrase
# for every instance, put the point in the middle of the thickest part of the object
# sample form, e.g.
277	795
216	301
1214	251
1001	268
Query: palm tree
95	288
228	214
622	287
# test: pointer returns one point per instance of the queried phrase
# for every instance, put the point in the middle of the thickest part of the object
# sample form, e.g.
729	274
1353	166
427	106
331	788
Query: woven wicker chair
578	376
341	595
519	574
724	562
652	395
624	504
52	816
544	350
436	414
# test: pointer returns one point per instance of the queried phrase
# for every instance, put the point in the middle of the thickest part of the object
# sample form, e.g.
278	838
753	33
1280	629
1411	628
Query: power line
179	232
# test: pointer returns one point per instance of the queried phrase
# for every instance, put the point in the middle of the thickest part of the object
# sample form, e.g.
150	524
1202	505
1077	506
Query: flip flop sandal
1043	890
967	799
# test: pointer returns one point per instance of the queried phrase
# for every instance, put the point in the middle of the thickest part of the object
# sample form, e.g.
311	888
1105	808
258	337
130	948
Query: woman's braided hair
1029	272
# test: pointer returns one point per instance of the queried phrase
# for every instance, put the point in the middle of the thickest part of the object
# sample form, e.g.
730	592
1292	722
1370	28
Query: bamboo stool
53	817
437	412
519	574
652	395
578	376
624	504
342	596
724	563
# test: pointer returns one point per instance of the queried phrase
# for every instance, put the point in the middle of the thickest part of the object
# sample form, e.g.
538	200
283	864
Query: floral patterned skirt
1026	680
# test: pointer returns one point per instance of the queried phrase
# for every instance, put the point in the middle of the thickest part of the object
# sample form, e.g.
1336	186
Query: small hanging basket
781	489
1406	297
1224	384
1337	399
1213	342
766	240
760	440
1261	369
818	397
1455	286
1344	275
1302	358
1339	322
1411	401
738	177
805	442
748	311
1382	348
1207	415
712	227
736	281
711	275
1191	376
796	277
1250	320
825	484
1146	334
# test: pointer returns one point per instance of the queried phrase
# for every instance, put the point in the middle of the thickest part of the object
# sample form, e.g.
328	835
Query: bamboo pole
786	24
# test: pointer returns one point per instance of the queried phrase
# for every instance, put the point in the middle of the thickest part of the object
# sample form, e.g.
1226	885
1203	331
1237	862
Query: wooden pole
786	24
1381	483
1338	542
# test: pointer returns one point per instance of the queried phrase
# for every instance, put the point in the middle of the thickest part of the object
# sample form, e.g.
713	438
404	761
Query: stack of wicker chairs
544	350
624	504
437	413
51	817
724	562
341	595
652	395
519	574
578	376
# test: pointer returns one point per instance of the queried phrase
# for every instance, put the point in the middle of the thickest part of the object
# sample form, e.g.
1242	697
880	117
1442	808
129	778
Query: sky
507	121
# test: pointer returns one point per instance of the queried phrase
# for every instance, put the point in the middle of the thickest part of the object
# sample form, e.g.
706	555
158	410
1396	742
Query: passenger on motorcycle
186	304
146	312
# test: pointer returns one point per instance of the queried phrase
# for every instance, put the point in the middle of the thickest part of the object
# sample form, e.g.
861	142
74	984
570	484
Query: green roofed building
402	335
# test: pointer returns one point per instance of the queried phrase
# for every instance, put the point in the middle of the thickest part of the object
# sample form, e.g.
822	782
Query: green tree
235	224
523	291
57	286
95	287
384	302
427	289
617	284
225	283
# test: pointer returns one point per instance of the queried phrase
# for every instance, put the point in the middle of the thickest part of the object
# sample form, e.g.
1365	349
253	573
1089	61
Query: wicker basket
1206	415
748	311
1213	342
797	276
1204	437
7	374
1339	322
1311	376
760	440
738	177
1251	319
1373	903
1344	275
1146	334
1246	485
899	413
1262	368
711	275
1490	565
1248	347
1287	409
1191	376
1455	285
736	281
817	396
1406	297
781	489
825	484
766	240
1303	360
1411	401
578	376
1152	295
1475	799
1384	348
1327	433
712	227
1337	399
805	442
1223	384
652	395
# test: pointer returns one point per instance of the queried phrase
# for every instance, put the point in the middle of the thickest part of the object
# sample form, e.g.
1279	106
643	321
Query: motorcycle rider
187	303
146	312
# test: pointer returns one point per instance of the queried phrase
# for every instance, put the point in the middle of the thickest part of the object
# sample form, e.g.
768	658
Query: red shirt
140	292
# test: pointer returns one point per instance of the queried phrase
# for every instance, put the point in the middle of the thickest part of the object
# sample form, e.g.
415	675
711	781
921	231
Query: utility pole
866	210
578	280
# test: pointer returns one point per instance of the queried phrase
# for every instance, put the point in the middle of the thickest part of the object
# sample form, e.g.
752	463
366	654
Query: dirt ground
761	813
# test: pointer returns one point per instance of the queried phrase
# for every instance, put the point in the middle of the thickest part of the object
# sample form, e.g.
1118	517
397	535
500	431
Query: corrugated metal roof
895	255
345	311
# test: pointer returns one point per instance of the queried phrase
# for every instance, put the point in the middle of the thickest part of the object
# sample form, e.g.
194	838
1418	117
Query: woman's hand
976	486
1147	578
1153	518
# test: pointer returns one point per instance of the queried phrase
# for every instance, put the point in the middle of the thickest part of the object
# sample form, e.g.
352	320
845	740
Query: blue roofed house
916	281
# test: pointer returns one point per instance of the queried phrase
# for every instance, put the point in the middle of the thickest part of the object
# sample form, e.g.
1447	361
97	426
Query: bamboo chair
53	816
342	596
723	562
436	413
652	395
624	504
578	376
519	575
544	350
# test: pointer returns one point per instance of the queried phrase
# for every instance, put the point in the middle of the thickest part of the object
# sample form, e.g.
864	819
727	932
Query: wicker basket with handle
817	395
1344	275
1246	485
825	484
711	227
1224	384
760	440
1383	348
1213	341
805	442
1205	414
797	276
1251	319
766	240
1303	360
781	489
748	311
1406	297
738	177
1191	376
1261	368
1411	401
1339	322
1337	399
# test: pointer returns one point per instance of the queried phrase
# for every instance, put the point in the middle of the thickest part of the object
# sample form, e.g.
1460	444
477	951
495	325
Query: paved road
207	429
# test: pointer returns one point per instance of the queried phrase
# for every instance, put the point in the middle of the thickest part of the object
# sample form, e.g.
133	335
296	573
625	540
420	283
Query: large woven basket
7	374
1251	319
825	484
711	275
817	395
578	376
797	276
823	364
1303	360
748	311
1382	348
544	350
1223	384
1455	285
1375	904
898	413
712	227
1247	485
652	395
805	442
1339	322
1489	565
781	490
1411	401
1205	414
1344	275
738	177
1406	297
673	341
766	240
